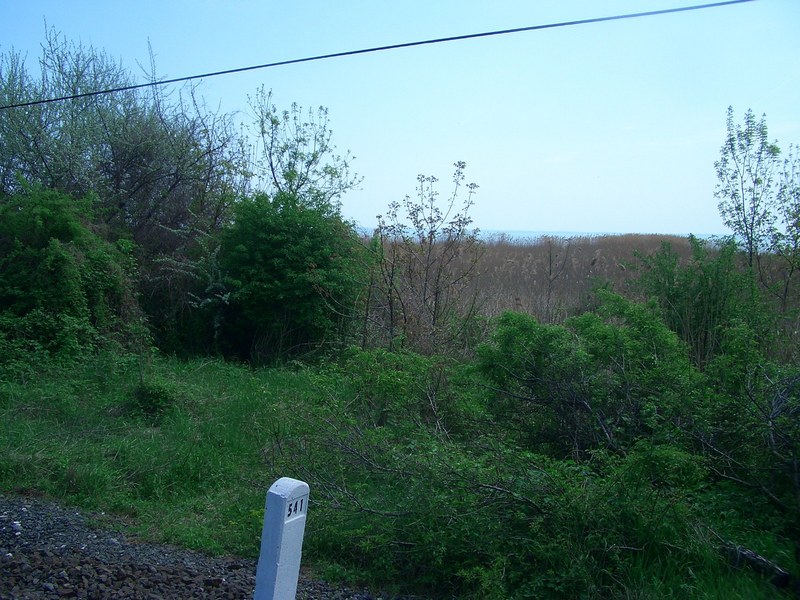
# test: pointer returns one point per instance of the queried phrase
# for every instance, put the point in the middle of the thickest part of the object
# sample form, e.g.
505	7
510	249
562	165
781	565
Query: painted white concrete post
282	540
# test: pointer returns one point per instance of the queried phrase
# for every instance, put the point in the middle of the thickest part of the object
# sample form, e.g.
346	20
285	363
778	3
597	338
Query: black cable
381	49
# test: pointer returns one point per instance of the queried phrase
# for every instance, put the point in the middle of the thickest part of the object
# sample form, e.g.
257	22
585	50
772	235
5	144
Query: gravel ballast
48	551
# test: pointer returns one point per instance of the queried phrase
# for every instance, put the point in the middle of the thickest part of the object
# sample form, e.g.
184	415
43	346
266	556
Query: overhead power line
455	38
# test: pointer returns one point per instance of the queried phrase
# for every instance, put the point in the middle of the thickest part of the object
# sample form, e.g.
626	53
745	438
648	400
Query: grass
195	472
192	473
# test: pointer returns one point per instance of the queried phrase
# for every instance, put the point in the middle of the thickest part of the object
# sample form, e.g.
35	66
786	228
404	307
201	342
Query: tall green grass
184	451
187	467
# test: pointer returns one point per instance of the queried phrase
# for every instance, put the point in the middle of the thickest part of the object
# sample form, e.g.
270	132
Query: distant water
489	234
532	235
523	235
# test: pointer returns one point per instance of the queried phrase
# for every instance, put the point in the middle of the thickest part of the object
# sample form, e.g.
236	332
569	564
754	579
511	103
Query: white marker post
282	540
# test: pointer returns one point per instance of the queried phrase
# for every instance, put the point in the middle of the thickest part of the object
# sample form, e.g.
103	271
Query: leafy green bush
487	519
493	504
63	289
294	275
400	388
602	380
699	300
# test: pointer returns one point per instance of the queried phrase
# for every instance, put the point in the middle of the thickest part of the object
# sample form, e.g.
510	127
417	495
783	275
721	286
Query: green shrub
401	388
700	299
63	289
153	398
293	274
487	519
601	380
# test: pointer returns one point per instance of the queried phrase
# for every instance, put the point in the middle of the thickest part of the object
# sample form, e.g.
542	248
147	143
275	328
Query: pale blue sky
609	127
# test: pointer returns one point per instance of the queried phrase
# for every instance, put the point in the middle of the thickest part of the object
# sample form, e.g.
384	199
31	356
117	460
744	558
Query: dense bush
63	289
470	511
590	459
602	380
702	297
293	275
153	162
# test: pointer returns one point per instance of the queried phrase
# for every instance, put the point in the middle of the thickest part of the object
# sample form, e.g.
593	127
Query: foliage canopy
63	289
293	275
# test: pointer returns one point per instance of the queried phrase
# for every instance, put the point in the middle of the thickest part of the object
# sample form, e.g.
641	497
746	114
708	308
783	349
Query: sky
610	127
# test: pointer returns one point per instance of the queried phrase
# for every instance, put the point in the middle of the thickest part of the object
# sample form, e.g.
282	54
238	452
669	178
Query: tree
760	201
426	260
298	156
746	183
153	163
786	234
160	168
300	173
293	274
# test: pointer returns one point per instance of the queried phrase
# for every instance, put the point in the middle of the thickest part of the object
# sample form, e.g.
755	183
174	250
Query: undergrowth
408	485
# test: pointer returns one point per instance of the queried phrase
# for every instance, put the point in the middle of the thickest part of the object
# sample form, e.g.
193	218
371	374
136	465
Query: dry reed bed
552	277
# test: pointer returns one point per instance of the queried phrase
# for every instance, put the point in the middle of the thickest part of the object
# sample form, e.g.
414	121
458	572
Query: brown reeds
552	277
549	277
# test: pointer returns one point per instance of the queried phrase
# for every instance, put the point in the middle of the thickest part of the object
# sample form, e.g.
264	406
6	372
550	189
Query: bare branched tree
427	256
